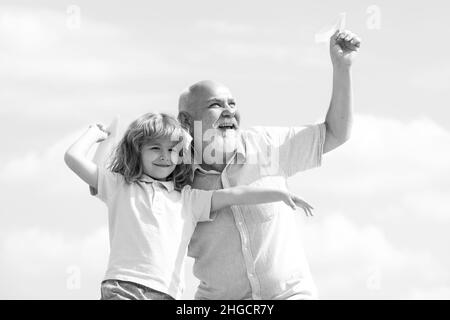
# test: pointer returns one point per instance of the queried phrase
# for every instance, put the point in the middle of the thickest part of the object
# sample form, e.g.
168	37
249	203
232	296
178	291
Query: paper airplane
326	33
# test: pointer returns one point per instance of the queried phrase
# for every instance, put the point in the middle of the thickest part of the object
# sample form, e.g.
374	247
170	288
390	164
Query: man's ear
186	121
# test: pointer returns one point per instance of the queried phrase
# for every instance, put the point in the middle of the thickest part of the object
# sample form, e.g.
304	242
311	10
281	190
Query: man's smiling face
213	105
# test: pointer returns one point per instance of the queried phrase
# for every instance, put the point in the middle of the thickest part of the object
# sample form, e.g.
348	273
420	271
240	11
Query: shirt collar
169	185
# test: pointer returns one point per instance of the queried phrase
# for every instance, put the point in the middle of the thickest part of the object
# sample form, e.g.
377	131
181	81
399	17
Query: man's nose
229	110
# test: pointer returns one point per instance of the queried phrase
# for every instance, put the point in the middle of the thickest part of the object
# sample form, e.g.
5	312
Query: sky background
382	200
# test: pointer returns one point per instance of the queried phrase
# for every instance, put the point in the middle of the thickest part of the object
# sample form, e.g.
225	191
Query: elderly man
255	252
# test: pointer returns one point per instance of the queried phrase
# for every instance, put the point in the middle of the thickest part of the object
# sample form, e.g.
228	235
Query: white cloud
432	204
38	264
38	44
386	156
37	29
351	261
245	50
439	293
38	165
226	27
310	56
435	77
265	44
66	75
389	185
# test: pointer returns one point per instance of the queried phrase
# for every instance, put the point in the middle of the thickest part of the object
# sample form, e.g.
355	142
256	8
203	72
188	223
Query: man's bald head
193	97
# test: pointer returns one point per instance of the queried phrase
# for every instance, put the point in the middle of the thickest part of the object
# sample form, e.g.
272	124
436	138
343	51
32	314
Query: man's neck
216	167
227	158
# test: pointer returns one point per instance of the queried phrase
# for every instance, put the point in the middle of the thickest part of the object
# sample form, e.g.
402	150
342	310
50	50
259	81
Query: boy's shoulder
108	173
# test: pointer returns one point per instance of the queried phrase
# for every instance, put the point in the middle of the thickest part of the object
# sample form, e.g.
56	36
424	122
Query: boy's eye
214	105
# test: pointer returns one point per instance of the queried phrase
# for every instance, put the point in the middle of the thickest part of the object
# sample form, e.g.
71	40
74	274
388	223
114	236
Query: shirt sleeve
107	184
292	149
197	203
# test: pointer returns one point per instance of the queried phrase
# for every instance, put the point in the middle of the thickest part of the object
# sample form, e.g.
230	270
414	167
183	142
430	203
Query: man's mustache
234	122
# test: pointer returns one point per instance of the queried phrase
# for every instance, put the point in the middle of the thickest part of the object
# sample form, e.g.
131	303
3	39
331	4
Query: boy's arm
76	156
248	195
338	122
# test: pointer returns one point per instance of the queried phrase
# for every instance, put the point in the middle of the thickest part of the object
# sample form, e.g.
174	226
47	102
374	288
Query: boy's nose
165	156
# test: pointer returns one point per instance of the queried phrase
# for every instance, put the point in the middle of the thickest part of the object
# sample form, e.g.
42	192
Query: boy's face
159	158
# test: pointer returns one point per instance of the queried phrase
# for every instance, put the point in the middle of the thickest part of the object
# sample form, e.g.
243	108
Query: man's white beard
226	141
219	143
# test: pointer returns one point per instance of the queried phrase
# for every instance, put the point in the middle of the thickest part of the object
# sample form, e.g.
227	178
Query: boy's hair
147	128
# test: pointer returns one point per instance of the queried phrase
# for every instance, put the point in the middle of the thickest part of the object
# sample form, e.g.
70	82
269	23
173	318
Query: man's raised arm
343	49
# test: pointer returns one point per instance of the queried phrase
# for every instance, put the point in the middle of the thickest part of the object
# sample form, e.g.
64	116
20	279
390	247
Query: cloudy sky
382	200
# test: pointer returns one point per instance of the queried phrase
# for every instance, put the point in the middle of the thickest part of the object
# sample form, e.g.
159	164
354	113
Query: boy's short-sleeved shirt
255	251
150	225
